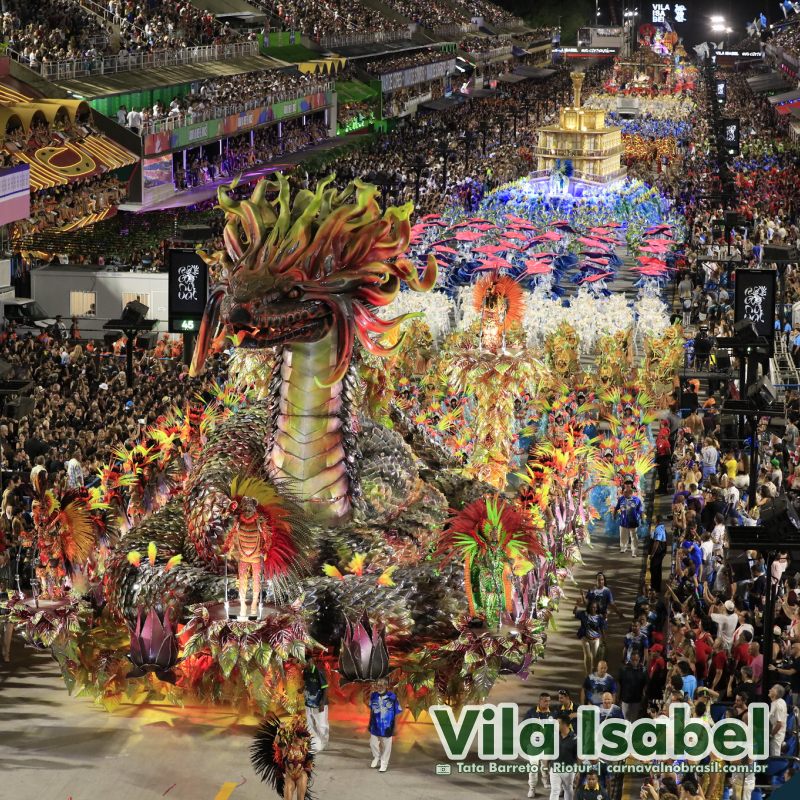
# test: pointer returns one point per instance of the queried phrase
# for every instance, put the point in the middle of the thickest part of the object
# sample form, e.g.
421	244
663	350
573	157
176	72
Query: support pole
768	622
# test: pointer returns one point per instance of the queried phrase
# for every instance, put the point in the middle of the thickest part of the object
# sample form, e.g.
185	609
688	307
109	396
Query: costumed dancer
629	510
281	756
384	709
315	692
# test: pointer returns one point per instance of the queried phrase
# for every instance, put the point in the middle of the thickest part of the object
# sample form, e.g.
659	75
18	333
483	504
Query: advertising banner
200	132
15	193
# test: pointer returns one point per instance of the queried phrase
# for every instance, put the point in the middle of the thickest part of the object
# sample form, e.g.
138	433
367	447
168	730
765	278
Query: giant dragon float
393	493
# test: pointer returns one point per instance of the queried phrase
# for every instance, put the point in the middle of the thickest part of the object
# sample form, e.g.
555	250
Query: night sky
697	28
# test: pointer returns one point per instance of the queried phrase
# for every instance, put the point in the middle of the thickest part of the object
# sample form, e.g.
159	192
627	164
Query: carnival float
422	426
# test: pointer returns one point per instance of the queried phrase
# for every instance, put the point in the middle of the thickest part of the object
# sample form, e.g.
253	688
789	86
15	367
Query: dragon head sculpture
297	268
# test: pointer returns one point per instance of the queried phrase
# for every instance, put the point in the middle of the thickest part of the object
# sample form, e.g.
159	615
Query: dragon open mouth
273	324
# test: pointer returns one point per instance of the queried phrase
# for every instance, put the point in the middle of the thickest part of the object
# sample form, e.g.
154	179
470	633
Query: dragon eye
293	294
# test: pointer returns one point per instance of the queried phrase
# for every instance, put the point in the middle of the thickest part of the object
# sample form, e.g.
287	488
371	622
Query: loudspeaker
740	569
146	341
762	393
779	515
195	233
733	220
780	254
21	407
6	370
745	330
134	312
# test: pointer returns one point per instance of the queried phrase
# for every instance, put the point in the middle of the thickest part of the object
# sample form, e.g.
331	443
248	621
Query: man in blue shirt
602	595
635	642
658	549
597	684
315	693
689	679
384	709
694	552
628	512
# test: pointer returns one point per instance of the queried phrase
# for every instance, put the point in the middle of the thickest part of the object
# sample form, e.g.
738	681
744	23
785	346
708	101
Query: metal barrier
481	56
173	121
453	32
127	62
569	152
374	37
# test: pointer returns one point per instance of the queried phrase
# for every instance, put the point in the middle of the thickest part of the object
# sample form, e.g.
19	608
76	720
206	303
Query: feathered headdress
501	294
270	745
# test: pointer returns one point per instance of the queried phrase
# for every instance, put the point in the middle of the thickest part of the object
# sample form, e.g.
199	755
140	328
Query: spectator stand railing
425	73
456	31
101	11
171	122
786	374
482	56
127	62
373	37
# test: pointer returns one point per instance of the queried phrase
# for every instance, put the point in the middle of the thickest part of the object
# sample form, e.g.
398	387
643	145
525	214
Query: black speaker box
745	330
21	407
134	312
779	514
146	341
780	253
194	233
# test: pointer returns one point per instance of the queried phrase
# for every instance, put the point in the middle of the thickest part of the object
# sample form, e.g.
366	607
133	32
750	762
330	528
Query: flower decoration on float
154	647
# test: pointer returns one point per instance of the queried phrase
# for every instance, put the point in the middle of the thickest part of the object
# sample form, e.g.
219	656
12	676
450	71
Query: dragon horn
206	332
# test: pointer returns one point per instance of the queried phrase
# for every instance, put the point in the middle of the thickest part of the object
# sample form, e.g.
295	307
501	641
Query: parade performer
260	536
281	756
315	693
384	709
629	511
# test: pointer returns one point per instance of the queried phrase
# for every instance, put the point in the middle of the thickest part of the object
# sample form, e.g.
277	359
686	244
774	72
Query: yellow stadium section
63	159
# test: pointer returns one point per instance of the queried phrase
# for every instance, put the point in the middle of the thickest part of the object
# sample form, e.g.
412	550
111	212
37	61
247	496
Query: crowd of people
788	37
53	30
317	19
42	31
483	44
240	153
438	13
381	66
168	25
464	128
214	98
62	205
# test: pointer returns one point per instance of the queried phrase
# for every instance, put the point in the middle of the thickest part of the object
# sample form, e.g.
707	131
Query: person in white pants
541	775
384	709
628	512
315	692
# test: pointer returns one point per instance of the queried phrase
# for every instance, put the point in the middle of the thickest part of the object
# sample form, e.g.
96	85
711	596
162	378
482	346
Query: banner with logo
15	194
